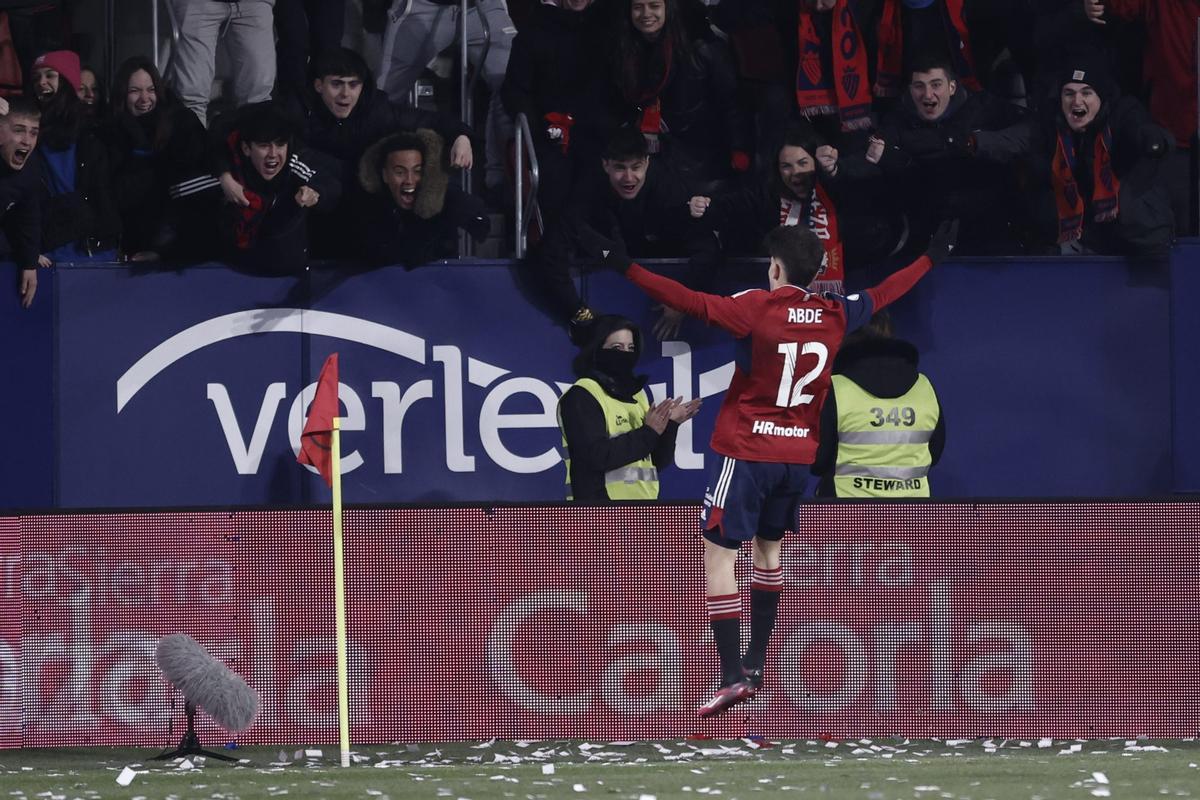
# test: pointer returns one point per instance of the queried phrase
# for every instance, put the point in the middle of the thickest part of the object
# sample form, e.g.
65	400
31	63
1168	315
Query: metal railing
467	96
522	218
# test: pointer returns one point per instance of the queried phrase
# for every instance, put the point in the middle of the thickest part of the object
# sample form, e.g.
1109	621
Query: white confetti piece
926	789
484	745
1100	791
1099	777
126	777
647	797
312	753
1044	743
185	765
547	769
831	744
579	787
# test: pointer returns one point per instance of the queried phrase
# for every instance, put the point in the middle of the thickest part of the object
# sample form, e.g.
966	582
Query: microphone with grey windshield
205	683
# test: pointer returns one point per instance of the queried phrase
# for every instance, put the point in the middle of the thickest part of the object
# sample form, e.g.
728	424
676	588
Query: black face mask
617	364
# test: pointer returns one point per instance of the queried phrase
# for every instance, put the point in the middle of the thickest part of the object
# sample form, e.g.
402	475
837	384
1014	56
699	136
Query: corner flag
316	441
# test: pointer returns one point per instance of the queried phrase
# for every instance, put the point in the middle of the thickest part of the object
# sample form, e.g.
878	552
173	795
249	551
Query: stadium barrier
527	622
1058	378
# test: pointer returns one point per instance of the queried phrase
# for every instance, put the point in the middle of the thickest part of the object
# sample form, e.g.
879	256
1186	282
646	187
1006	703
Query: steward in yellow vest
881	426
616	442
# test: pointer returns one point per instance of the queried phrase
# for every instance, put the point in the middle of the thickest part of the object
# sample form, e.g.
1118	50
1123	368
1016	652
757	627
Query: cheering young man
767	428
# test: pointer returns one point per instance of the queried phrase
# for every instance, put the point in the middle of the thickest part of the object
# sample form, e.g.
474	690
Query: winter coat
20	211
275	240
373	117
388	234
86	216
1145	224
931	175
144	169
557	65
702	113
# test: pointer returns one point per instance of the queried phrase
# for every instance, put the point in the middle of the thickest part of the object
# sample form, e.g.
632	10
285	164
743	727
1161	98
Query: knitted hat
1093	73
64	62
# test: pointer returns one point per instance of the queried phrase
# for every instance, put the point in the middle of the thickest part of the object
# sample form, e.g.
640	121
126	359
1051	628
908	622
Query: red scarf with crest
844	91
822	219
1105	184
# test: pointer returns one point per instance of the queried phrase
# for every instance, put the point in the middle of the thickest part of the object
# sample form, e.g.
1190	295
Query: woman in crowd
79	217
156	148
680	92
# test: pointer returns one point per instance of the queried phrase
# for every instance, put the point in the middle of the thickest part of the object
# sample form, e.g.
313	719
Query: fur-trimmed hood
431	194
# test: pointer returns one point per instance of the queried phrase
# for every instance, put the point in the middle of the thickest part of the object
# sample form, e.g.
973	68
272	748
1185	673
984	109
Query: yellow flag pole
339	595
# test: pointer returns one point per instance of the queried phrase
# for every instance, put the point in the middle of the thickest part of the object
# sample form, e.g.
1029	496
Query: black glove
941	244
610	253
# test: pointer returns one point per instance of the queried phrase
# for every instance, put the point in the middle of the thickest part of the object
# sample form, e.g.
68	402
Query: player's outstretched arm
896	285
726	312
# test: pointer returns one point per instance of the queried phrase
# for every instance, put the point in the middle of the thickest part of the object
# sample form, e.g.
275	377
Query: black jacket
145	168
557	65
593	453
701	111
1144	226
373	117
885	368
931	175
384	233
274	237
655	224
20	211
86	216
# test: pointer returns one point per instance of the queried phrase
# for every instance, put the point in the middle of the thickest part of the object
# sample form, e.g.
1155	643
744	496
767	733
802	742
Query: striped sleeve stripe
723	482
301	169
194	186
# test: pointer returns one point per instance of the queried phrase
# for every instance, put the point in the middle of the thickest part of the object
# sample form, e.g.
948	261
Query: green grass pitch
878	769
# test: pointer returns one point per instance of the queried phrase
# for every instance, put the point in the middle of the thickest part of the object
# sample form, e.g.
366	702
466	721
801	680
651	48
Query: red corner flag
316	441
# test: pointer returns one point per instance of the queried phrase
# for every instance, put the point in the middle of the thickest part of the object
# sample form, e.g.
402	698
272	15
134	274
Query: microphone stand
189	745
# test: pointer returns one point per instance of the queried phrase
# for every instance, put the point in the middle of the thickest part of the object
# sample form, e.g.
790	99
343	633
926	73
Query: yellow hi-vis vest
883	442
635	481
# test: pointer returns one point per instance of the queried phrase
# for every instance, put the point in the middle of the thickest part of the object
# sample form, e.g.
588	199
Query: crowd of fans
686	128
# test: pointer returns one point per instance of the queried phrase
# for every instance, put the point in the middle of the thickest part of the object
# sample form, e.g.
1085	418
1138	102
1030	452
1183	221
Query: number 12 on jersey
790	395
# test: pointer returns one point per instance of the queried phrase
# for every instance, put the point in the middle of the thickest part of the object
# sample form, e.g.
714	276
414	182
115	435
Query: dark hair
799	135
626	144
163	126
101	96
340	62
264	122
798	249
639	70
23	106
62	116
398	142
928	62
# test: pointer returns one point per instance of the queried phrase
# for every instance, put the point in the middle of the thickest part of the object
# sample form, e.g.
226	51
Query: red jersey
787	342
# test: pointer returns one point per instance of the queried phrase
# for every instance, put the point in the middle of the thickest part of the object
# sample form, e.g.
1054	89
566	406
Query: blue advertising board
188	388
